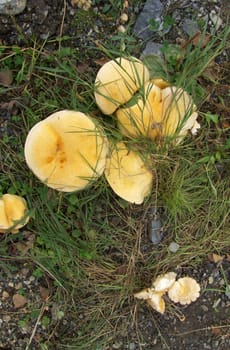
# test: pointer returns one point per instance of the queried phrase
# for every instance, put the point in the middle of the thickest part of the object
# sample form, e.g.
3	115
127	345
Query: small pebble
173	247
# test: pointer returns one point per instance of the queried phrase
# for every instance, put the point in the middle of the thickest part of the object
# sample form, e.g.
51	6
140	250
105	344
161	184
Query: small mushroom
154	299
117	81
164	282
128	175
66	151
184	291
13	213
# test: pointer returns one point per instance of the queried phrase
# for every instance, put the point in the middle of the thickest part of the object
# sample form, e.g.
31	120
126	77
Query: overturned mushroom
154	299
164	282
13	213
66	151
184	291
117	81
128	174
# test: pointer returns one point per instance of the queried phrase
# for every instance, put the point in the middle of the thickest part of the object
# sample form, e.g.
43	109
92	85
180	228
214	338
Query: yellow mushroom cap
128	175
178	111
154	299
144	117
164	282
13	209
66	151
184	291
117	81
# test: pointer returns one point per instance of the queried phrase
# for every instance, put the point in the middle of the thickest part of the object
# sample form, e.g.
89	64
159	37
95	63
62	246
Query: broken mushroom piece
184	291
13	213
128	175
178	113
66	151
117	81
164	282
154	299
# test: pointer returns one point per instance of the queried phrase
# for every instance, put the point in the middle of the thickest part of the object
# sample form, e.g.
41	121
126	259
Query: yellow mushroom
184	291
128	175
154	299
66	151
144	117
117	81
13	213
178	113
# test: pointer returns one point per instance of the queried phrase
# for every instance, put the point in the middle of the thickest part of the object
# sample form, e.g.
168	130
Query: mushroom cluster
13	213
184	291
158	110
69	149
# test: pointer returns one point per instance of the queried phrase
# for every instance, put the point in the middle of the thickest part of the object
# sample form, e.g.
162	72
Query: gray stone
173	247
152	48
153	9
190	27
154	231
12	7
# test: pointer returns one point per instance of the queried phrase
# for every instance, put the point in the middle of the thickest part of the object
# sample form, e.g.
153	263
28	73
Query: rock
154	231
216	20
173	247
152	48
190	27
152	10
12	7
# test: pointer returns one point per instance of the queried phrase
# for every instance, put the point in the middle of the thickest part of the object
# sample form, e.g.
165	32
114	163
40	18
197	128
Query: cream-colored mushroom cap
178	112
184	291
66	151
13	213
164	282
154	299
144	117
128	175
117	81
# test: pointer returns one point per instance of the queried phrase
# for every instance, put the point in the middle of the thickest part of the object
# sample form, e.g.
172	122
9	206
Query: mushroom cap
66	150
164	282
154	299
128	175
144	117
117	81
184	291
178	111
13	208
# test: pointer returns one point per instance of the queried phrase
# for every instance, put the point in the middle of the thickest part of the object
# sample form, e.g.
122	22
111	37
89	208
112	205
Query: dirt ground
201	325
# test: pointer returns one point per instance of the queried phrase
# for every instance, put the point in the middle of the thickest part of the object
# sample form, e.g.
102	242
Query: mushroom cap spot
144	117
164	282
66	150
177	111
128	175
13	208
117	81
184	291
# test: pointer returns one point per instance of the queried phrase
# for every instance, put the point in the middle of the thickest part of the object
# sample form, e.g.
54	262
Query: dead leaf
6	77
24	246
19	300
101	61
45	293
216	330
197	39
215	258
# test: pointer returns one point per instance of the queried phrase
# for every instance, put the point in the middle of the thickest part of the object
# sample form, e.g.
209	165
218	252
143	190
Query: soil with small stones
201	325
